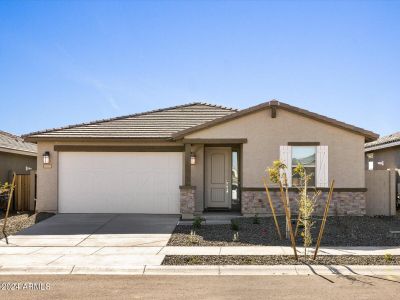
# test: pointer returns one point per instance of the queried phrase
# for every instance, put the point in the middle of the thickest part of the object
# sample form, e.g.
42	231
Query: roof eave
16	151
383	146
35	139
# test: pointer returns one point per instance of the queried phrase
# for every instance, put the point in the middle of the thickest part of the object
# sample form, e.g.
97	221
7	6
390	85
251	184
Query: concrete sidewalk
148	248
142	259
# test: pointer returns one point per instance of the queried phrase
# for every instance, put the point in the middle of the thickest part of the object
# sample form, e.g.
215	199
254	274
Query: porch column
187	191
188	171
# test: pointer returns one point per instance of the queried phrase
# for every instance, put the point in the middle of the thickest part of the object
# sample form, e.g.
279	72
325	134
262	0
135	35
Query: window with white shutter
304	155
313	158
322	167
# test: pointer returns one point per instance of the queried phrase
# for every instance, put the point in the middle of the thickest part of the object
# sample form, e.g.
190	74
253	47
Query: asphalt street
201	287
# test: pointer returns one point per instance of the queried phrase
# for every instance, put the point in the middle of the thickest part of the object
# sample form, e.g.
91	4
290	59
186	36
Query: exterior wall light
46	158
192	158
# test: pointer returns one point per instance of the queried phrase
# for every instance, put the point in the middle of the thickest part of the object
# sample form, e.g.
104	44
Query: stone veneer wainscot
342	203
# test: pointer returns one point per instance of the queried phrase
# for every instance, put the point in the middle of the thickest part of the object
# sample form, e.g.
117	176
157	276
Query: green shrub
234	225
256	219
388	257
194	260
197	223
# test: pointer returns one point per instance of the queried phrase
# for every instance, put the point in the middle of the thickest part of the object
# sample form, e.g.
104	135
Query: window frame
314	165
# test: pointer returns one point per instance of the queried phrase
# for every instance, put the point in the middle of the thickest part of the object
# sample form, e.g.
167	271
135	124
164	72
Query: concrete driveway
97	230
88	243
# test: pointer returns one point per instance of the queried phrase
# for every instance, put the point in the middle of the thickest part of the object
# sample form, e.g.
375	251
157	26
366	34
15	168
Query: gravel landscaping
20	220
279	260
339	231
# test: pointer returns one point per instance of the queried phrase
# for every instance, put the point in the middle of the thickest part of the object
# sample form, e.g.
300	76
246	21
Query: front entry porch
212	181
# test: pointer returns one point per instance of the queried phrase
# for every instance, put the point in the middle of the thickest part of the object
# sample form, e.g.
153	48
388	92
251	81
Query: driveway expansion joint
98	228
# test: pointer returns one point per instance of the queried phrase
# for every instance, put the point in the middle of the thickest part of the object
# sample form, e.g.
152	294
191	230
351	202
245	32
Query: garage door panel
102	182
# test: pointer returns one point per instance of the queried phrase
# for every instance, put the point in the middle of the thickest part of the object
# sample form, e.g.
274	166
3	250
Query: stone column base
188	200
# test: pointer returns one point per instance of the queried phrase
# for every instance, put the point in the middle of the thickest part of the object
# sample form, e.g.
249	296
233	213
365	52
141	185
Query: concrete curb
251	270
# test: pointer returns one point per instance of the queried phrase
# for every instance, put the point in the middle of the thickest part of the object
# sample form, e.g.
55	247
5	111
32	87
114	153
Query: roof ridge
124	117
216	105
394	134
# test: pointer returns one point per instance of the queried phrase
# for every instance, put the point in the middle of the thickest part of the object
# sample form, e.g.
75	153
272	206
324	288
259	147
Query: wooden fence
25	191
381	193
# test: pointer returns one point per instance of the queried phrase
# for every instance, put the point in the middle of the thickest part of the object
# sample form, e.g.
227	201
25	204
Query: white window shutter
285	156
321	169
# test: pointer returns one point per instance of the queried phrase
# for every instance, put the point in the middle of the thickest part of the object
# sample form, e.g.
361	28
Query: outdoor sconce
192	158
46	158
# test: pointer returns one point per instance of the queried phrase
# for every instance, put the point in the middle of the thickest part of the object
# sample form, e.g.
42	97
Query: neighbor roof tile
9	141
387	141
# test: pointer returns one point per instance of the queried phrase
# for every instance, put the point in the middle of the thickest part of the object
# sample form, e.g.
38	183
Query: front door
218	177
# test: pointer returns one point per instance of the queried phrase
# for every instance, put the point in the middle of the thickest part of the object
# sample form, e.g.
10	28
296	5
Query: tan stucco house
197	157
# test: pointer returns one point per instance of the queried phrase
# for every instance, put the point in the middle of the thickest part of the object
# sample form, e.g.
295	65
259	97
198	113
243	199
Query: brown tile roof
156	124
13	143
369	135
388	141
175	122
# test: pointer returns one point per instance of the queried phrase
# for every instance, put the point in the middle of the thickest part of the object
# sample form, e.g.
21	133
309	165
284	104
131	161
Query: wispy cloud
114	103
77	73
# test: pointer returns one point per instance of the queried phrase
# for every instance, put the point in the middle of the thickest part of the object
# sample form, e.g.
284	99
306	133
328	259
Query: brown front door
218	177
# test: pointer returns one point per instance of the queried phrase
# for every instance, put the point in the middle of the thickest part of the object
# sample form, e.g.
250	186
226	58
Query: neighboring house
197	157
16	155
384	154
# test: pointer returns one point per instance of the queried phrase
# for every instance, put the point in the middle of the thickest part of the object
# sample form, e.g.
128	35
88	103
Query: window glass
306	156
235	176
370	165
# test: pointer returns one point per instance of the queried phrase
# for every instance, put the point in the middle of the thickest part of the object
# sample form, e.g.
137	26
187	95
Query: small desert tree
4	193
306	205
7	190
277	174
4	188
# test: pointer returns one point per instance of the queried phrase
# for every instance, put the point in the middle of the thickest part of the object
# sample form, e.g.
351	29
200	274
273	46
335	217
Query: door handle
227	186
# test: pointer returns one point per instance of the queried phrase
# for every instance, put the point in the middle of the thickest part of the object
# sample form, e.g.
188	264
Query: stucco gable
274	106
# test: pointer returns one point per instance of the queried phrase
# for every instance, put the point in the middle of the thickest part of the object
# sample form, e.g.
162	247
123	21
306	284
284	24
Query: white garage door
119	182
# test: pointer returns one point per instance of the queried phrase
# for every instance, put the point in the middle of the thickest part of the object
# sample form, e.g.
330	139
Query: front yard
18	221
339	231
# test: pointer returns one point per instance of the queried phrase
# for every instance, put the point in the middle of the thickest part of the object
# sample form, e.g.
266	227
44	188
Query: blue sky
66	62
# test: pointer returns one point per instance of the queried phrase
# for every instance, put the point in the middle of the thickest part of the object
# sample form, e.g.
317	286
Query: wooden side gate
381	192
25	191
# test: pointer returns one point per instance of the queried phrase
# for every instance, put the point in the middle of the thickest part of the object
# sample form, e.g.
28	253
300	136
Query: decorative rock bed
18	221
279	260
339	231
